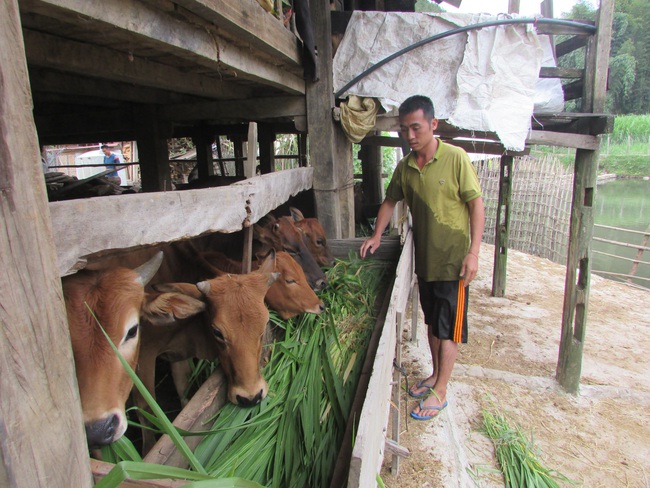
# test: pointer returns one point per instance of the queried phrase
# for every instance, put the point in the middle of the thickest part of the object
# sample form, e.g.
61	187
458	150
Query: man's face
417	130
106	151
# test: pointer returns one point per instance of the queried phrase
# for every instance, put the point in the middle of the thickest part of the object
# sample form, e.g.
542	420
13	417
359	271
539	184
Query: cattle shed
75	72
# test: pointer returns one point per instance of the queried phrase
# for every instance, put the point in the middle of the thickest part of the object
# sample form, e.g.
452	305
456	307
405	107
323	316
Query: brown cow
282	234
115	298
314	236
231	329
290	295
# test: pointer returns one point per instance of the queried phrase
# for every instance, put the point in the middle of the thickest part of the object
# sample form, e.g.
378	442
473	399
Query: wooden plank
168	34
397	393
389	250
243	110
369	442
547	138
88	226
578	271
550	72
100	469
570	45
42	441
54	52
209	398
250	24
554	29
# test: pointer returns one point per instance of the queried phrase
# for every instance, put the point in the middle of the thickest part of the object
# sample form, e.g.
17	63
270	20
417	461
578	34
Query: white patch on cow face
128	346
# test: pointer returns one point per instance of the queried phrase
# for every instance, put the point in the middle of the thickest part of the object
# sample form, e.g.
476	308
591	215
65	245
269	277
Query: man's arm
469	267
383	219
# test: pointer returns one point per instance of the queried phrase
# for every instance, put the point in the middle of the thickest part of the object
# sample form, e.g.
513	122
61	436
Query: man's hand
371	244
469	268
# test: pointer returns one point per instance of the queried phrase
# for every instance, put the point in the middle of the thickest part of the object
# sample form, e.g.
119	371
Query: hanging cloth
358	116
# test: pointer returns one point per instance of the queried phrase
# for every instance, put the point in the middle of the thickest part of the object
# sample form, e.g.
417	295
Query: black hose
589	29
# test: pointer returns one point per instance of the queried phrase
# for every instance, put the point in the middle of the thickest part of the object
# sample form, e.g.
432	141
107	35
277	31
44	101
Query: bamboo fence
540	207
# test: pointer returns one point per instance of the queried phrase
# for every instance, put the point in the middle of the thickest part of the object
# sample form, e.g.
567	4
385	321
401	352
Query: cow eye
218	335
132	332
320	242
289	282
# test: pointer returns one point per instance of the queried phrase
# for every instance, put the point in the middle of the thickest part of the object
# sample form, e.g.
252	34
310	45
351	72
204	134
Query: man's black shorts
444	304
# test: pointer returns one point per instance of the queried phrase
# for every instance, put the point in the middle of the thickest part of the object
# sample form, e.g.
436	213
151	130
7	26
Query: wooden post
250	165
372	168
152	147
42	441
513	6
266	138
204	160
502	228
576	287
415	304
330	152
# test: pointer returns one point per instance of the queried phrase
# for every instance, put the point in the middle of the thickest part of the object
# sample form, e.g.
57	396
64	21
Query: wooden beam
209	398
547	138
240	110
46	83
166	216
153	151
54	52
570	45
548	72
42	440
100	469
554	29
250	24
163	32
76	125
601	58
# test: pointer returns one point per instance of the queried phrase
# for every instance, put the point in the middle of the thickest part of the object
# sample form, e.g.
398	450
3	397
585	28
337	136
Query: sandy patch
599	438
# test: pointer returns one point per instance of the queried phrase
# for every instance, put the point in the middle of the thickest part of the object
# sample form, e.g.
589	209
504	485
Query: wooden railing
636	261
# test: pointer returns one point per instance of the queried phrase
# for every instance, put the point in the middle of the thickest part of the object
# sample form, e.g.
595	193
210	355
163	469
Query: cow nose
249	402
101	432
320	284
321	307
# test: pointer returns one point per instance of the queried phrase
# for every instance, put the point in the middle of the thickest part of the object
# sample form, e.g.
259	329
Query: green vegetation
517	455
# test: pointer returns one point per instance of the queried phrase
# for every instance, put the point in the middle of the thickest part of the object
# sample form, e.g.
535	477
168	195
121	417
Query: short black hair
417	102
104	146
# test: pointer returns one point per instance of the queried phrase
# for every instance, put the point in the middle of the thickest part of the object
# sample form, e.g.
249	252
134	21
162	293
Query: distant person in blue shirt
110	161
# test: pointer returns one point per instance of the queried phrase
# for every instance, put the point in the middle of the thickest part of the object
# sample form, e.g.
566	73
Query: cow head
283	235
237	321
115	299
314	236
290	295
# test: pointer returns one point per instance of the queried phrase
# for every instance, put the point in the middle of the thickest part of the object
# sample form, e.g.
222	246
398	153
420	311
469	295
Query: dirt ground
598	438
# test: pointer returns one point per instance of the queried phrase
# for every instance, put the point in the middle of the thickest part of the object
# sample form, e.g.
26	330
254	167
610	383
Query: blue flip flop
422	407
424	393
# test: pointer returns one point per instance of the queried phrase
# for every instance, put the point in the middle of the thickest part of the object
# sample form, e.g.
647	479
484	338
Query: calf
227	322
115	299
282	234
290	295
314	236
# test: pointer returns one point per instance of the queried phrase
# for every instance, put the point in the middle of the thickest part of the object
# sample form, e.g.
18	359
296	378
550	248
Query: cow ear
268	265
296	214
204	287
185	288
167	308
272	277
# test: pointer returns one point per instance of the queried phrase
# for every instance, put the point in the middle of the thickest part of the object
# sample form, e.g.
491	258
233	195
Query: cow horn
204	287
148	270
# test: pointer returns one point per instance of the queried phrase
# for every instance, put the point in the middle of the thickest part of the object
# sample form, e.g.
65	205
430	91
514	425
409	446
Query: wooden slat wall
368	452
83	227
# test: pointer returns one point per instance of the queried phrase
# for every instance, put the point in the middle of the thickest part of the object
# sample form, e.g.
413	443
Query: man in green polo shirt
442	190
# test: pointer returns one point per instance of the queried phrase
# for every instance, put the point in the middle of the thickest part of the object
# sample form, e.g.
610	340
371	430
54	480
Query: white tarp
485	80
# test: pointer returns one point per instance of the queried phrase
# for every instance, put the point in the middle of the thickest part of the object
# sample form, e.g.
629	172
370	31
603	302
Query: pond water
626	204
